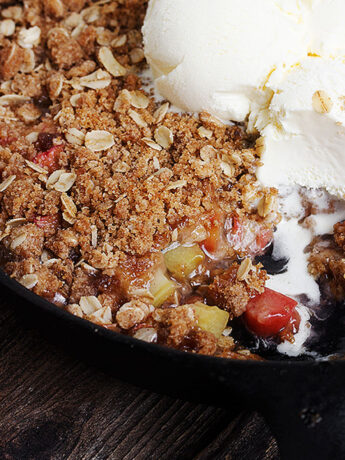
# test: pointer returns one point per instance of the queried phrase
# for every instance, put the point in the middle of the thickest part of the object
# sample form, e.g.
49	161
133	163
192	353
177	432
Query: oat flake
99	140
29	281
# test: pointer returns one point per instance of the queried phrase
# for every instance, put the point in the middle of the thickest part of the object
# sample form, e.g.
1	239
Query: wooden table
52	406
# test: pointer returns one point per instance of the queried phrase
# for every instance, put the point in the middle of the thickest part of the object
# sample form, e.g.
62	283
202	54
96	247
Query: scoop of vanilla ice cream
218	55
327	28
304	136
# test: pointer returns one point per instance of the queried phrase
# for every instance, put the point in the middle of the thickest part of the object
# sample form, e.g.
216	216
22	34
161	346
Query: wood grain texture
53	406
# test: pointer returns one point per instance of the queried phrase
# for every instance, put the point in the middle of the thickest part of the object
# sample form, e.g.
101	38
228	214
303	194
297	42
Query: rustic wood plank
53	406
246	437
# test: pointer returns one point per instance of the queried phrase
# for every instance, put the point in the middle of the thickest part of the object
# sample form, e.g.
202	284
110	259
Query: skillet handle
307	427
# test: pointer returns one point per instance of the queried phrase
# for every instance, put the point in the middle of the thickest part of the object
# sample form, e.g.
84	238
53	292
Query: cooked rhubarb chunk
49	158
269	313
183	260
161	288
211	319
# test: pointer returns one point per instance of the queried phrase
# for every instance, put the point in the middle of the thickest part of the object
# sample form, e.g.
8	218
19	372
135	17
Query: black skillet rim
151	348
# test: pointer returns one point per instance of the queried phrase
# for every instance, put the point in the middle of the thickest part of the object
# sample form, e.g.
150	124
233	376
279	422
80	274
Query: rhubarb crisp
118	209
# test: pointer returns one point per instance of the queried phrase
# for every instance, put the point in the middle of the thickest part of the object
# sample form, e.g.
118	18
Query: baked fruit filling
121	211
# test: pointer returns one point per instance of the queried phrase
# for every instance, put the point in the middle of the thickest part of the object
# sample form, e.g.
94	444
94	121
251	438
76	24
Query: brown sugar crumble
113	207
327	261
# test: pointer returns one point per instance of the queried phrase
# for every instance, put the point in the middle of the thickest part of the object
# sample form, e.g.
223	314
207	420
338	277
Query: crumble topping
97	179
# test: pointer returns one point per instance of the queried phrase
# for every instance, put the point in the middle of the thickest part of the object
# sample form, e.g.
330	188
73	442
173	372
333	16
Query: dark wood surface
52	406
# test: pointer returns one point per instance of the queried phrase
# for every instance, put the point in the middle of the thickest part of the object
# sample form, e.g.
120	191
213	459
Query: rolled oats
78	30
45	256
7	27
29	281
236	158
93	236
5	86
96	80
205	133
50	262
227	331
75	309
150	143
74	99
60	30
18	241
15	222
156	163
174	235
68	204
101	316
137	118
244	269
28	38
138	100
68	218
121	197
228	169
119	41
132	313
164	137
148	334
140	293
88	267
13	12
75	136
109	62
243	352
61	181
267	204
55	85
122	101
137	55
13	99
178	184
99	140
29	61
104	36
247	155
89	304
35	167
6	183
91	14
74	20
54	177
65	182
207	118
322	103
32	137
48	65
208	153
160	113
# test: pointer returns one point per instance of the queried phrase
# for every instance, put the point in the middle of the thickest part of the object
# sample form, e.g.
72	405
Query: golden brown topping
98	180
132	313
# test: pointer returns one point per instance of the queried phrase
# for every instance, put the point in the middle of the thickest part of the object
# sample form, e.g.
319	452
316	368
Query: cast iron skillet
303	401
